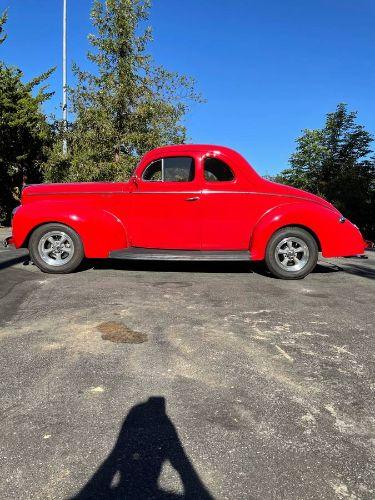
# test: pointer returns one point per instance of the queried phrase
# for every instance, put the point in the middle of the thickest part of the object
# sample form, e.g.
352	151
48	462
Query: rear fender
333	237
100	230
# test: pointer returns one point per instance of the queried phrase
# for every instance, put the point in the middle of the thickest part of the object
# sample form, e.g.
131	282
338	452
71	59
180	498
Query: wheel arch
311	217
100	230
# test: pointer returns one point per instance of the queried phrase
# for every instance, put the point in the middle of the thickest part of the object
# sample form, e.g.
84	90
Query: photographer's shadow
131	471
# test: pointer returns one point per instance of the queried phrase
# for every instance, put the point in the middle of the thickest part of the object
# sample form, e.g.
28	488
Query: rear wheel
56	248
292	253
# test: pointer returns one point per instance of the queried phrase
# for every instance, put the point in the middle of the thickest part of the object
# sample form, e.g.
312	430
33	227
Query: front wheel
292	253
56	248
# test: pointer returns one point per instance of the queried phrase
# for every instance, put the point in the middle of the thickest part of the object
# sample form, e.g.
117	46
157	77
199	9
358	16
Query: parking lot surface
187	380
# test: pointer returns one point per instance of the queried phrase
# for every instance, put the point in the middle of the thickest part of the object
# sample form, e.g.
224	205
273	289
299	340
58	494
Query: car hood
292	192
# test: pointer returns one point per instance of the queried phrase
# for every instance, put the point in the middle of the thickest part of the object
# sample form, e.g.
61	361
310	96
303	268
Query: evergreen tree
128	106
336	162
24	132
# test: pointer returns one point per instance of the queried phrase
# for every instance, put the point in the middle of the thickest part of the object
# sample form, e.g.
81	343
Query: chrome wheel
56	248
292	254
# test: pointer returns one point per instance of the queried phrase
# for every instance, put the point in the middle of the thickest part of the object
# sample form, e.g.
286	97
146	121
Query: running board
134	253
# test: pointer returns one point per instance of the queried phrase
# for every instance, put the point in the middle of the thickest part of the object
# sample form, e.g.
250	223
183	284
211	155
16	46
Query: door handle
193	198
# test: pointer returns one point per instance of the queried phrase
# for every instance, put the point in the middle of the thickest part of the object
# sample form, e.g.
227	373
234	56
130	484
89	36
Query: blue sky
268	69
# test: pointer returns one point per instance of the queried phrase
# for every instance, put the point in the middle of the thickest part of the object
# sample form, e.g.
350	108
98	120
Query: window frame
162	169
208	157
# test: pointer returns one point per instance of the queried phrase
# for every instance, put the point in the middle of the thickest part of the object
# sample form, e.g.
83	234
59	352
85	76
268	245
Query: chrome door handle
193	198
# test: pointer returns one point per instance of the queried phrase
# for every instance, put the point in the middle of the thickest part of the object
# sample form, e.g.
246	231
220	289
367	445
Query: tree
3	20
336	162
24	132
128	106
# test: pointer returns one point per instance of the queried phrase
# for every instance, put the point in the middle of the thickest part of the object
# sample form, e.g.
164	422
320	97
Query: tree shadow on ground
364	271
358	270
147	440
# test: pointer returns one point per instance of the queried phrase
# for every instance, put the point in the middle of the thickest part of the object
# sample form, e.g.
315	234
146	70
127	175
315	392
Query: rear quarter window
216	170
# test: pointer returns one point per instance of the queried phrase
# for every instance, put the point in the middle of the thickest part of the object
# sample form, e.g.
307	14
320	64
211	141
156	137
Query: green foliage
129	105
335	162
3	20
24	133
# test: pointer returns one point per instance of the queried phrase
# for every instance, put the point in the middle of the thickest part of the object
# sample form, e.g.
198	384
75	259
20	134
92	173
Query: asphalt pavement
145	380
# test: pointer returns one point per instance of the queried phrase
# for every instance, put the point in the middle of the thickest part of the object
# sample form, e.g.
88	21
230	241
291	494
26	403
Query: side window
153	172
216	170
171	169
178	169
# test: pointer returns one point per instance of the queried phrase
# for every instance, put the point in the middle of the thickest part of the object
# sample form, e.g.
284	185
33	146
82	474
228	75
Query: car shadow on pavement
147	440
190	267
177	266
9	262
217	267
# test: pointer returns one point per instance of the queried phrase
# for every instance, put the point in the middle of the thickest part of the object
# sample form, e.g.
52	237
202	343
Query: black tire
283	261
73	251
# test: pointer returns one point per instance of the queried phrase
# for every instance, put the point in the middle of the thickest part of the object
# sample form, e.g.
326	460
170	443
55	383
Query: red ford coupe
185	202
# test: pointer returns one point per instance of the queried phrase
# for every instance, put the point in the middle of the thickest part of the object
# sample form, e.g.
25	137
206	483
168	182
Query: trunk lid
74	188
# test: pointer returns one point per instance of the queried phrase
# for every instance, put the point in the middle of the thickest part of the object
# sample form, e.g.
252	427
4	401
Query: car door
226	211
165	205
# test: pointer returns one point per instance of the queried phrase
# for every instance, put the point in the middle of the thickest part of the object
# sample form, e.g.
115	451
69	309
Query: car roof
192	147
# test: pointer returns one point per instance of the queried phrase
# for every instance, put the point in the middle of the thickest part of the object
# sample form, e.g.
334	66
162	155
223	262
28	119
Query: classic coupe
184	202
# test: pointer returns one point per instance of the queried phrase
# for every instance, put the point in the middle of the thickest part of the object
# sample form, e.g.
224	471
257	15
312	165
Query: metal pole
64	102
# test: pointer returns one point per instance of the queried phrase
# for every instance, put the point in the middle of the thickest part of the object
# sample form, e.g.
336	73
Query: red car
185	202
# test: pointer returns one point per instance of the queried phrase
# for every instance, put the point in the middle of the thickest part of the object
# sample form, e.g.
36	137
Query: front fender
100	230
335	238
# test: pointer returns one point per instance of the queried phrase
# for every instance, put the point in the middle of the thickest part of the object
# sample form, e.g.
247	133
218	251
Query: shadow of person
131	471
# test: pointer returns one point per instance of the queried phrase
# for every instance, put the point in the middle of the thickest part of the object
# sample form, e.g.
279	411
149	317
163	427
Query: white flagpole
64	102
